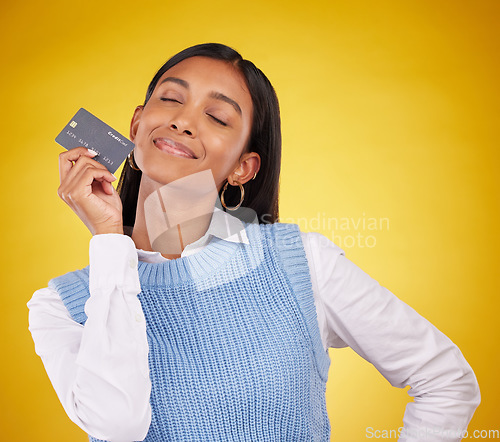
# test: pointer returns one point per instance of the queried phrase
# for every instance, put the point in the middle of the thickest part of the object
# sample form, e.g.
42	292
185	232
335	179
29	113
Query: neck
171	216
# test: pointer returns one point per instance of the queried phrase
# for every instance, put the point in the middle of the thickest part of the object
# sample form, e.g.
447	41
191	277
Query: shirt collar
222	225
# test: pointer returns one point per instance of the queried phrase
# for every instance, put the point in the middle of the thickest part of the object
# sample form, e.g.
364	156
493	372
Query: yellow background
390	109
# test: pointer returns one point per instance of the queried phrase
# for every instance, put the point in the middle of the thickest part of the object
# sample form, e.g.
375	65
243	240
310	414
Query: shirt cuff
113	262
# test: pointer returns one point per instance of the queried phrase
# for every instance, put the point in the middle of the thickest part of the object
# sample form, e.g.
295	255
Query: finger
69	157
79	180
81	165
89	171
107	187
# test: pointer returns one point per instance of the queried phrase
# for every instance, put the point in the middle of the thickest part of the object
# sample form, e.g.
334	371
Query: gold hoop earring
131	160
242	190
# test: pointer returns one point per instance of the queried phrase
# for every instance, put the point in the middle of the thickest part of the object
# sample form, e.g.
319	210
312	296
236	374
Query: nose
185	131
183	123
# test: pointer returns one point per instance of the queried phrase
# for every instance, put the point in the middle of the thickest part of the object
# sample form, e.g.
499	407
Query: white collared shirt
100	371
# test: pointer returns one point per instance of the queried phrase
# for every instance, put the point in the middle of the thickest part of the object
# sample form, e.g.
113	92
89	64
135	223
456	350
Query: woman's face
199	117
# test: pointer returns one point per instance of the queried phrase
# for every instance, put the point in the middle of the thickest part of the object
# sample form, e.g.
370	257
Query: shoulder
320	246
76	277
288	235
73	289
288	240
283	235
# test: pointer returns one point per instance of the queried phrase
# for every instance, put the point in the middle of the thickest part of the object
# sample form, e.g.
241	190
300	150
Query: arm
402	345
99	371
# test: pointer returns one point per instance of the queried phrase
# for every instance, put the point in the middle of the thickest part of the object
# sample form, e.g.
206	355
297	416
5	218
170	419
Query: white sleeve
406	349
99	371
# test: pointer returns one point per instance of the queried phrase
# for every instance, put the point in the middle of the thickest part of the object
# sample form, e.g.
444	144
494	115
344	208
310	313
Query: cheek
151	117
227	150
147	124
226	161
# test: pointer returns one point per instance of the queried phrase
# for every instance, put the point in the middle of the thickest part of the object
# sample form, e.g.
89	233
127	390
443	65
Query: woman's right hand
86	188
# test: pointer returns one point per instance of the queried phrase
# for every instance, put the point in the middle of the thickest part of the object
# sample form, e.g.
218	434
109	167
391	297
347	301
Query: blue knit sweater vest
235	352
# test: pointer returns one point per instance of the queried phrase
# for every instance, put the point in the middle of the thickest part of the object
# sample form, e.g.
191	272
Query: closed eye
170	99
222	123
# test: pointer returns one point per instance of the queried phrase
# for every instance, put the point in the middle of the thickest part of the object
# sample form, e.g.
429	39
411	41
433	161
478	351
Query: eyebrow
216	95
179	81
222	97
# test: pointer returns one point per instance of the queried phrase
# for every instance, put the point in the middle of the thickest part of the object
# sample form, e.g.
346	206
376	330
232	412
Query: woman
200	326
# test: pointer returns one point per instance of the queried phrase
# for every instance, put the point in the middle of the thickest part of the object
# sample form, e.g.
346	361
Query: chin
165	172
160	168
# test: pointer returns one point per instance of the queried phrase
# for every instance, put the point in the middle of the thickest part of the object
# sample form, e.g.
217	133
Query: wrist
106	230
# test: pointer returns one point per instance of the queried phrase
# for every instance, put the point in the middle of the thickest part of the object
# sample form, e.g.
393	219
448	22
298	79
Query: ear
246	170
134	124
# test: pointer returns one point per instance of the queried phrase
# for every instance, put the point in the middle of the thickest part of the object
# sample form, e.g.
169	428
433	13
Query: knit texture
235	352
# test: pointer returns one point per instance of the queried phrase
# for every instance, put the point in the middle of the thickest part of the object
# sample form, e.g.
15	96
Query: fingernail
114	176
93	152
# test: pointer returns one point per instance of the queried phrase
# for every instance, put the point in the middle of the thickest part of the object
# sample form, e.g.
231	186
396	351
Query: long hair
261	194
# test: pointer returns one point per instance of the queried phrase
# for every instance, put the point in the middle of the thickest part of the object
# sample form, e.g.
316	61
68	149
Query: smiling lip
173	148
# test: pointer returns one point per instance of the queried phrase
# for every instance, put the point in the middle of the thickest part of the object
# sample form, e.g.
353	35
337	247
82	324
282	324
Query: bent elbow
468	391
116	424
126	428
475	396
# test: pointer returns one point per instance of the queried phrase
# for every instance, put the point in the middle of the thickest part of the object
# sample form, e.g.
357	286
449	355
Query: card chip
86	130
